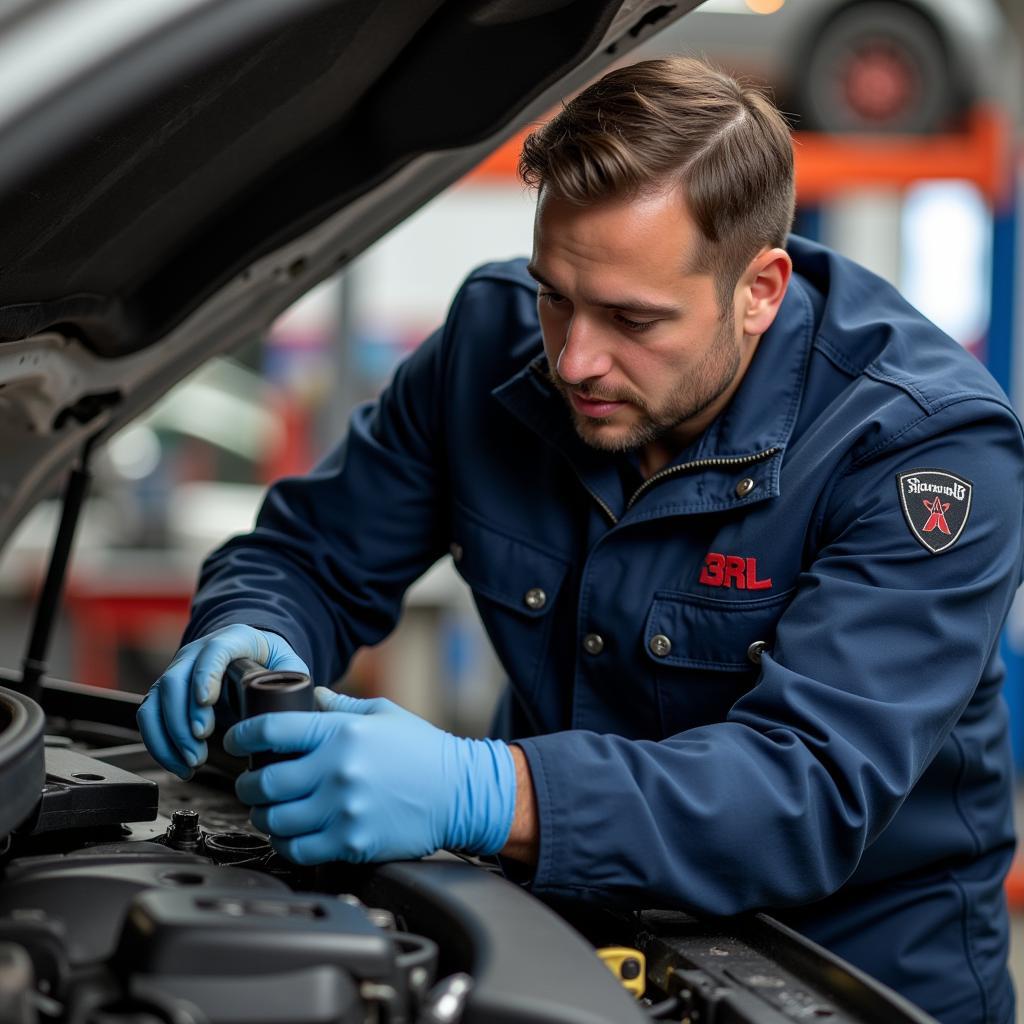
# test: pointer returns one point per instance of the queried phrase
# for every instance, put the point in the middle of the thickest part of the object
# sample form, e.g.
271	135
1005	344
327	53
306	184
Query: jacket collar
746	440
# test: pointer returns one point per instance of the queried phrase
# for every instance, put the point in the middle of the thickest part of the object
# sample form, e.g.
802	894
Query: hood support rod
34	664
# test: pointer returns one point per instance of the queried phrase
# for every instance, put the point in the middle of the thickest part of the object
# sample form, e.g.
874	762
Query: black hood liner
96	320
119	239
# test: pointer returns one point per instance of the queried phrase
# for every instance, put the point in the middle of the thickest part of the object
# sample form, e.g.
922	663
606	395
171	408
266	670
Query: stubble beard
691	396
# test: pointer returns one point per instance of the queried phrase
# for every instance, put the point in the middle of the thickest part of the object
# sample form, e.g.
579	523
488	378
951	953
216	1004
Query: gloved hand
178	712
375	782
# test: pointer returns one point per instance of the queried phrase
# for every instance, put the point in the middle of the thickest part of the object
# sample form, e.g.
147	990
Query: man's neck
658	454
655	456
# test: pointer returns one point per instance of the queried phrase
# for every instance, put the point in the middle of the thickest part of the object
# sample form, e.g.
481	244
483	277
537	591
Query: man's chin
605	435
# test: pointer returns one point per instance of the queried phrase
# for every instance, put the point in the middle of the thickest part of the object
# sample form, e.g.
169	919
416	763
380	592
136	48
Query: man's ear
762	288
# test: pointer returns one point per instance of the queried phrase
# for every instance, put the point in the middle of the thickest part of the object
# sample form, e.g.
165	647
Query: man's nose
584	355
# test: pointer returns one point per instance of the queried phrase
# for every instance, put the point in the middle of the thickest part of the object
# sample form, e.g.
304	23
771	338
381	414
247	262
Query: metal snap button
535	599
744	487
660	644
755	650
593	644
455	550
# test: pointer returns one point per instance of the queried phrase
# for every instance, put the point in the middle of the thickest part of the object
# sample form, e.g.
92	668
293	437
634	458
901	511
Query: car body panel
135	250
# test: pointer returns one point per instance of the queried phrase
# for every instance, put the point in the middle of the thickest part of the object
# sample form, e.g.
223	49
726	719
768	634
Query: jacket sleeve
875	660
333	552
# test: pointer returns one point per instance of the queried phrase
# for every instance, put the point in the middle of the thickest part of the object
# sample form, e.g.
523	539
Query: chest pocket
515	586
705	652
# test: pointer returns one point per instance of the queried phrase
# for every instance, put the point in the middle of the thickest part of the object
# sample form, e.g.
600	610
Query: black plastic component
88	893
528	966
77	701
184	833
630	968
232	932
99	1000
22	758
81	792
253	689
312	995
754	969
235	847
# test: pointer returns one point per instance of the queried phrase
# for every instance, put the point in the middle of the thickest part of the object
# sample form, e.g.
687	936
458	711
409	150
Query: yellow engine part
628	965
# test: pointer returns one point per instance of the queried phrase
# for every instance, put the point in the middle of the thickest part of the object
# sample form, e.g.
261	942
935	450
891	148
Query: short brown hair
677	120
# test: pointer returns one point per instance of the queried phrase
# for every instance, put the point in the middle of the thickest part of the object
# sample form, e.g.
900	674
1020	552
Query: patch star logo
937	519
936	505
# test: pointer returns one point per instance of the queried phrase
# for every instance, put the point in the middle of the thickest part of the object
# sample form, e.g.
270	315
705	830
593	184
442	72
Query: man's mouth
595	408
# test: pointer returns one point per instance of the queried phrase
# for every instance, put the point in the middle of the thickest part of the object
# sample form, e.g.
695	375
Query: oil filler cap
628	965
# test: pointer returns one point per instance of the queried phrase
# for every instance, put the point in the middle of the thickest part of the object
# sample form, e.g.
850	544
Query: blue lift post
1000	358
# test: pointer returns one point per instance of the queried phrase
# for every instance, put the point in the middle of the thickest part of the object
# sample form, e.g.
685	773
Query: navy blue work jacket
766	677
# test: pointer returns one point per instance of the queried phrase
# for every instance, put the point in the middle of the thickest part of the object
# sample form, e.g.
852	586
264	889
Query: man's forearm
524	836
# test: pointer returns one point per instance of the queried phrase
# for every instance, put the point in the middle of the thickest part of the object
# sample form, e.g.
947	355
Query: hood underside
176	173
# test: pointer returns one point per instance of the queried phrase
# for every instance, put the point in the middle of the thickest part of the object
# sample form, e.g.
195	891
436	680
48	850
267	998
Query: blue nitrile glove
375	782
177	714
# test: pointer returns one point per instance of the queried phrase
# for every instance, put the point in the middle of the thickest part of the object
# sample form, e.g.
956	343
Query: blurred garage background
908	124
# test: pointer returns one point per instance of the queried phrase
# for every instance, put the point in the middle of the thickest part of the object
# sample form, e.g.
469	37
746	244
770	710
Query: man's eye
634	325
552	297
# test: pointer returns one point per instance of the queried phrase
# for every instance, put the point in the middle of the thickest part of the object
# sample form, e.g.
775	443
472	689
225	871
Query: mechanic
743	528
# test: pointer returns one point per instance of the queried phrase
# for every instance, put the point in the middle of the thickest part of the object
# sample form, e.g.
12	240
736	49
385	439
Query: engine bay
128	895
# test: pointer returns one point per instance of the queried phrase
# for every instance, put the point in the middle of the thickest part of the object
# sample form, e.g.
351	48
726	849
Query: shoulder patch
936	505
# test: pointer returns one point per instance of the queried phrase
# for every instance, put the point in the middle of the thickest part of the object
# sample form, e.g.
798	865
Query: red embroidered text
732	571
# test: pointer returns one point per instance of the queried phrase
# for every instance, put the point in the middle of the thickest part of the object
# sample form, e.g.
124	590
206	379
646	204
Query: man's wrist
523	842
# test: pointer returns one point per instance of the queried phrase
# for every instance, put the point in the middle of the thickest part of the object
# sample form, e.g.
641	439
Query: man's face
636	344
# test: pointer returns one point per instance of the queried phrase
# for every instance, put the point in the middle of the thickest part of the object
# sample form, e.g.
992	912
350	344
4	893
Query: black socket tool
254	689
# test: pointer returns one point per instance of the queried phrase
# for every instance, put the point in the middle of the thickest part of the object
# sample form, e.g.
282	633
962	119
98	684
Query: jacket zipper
722	460
600	501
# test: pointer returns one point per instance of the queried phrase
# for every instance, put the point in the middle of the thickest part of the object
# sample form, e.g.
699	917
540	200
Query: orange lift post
828	165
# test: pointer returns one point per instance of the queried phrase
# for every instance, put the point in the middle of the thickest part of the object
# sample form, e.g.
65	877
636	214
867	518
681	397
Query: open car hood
177	172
